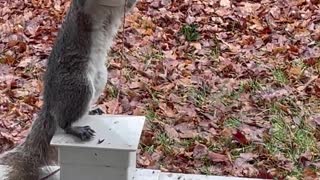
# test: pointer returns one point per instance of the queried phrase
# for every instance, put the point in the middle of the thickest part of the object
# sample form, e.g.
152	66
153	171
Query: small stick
51	174
313	78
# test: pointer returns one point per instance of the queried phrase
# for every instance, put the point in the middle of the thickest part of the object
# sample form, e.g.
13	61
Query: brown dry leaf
167	110
143	161
216	157
246	57
147	138
171	132
240	137
188	134
305	158
57	5
295	71
135	85
200	151
25	62
317	87
243	167
225	3
197	46
309	174
245	157
285	162
32	28
275	94
275	12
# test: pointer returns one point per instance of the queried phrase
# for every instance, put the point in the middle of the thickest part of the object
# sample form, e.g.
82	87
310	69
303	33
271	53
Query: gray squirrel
75	77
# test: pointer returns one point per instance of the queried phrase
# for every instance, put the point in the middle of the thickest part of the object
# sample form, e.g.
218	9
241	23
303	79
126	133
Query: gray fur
74	79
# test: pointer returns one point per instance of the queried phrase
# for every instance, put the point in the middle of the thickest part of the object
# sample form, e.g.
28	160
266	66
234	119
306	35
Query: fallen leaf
171	132
309	174
216	157
240	137
200	151
225	3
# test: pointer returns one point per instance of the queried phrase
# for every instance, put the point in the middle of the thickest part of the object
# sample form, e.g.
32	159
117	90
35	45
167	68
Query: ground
228	87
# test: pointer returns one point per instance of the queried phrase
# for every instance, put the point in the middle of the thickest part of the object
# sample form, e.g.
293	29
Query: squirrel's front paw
82	132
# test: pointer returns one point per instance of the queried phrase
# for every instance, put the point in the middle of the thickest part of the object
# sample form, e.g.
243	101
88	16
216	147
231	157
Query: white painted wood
139	174
148	174
176	176
82	172
97	157
110	154
118	132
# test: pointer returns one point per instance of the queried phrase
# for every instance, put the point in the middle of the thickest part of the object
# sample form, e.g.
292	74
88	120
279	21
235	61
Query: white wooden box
76	172
97	157
112	152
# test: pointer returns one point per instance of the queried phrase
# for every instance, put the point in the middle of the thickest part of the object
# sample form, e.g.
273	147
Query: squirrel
74	79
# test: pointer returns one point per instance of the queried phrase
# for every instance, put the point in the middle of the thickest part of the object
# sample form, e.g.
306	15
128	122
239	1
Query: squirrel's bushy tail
25	160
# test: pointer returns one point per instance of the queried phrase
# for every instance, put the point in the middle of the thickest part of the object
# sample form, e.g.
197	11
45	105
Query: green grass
275	109
280	131
252	85
216	49
289	104
128	73
166	143
149	149
287	138
235	93
304	139
296	172
157	55
232	122
216	147
190	32
199	95
29	69
192	140
151	58
205	170
215	52
186	143
150	114
283	137
153	93
280	76
112	91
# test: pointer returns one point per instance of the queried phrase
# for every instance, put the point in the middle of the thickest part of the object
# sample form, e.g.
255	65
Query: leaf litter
228	87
